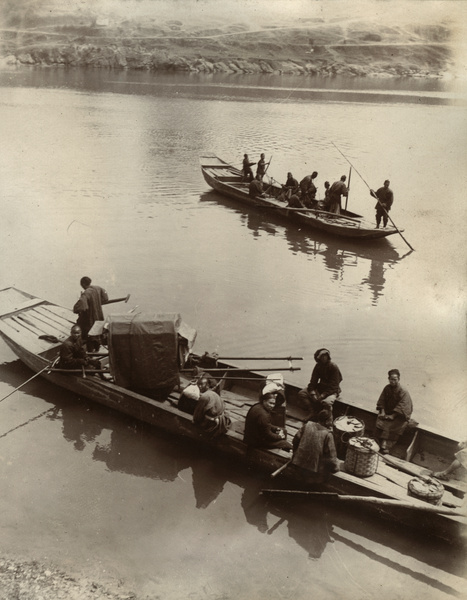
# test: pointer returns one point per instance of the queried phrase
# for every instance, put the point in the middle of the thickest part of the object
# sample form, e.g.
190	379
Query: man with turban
324	386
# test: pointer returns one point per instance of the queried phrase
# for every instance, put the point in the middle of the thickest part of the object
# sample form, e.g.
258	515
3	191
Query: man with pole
385	198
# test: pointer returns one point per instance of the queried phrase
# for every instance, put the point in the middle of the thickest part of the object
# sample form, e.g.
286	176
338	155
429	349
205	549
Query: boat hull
17	325
230	185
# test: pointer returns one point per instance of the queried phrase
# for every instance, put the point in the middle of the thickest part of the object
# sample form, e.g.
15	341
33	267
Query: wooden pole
348	188
393	224
125	299
209	370
258	358
313	210
30	379
368	500
280	469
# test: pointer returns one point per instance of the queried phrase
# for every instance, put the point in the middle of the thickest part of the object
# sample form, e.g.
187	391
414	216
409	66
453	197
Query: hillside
195	36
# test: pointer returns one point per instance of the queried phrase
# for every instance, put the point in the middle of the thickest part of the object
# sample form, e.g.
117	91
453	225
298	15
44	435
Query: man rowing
337	189
308	190
261	168
246	168
89	309
385	198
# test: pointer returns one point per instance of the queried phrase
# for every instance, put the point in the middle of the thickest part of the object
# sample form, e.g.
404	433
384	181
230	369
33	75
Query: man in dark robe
337	189
385	199
290	187
394	408
246	168
324	387
308	190
259	430
314	448
261	168
89	308
73	352
256	189
210	415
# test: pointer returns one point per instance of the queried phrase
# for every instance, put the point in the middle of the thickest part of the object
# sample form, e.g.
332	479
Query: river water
100	176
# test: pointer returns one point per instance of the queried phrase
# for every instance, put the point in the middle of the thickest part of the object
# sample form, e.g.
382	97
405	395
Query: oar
393	224
289	358
119	299
30	379
314	210
280	469
367	500
243	369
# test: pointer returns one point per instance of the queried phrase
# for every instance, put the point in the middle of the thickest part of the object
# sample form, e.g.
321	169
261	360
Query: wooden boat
34	328
227	180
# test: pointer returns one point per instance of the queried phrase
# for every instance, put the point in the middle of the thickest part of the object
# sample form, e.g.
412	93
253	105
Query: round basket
361	458
427	489
345	428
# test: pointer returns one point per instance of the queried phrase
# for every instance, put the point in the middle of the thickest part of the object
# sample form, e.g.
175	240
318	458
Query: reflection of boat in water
31	327
228	180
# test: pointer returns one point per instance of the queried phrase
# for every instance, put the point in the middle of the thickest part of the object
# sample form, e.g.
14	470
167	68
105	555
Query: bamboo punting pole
368	500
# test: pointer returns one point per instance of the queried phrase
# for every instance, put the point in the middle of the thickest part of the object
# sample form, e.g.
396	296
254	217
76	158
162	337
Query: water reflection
339	256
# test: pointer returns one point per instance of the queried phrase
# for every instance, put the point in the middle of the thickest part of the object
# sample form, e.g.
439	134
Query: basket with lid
427	489
361	458
345	428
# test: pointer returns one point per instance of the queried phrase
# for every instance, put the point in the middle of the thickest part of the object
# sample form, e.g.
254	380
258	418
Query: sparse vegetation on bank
37	35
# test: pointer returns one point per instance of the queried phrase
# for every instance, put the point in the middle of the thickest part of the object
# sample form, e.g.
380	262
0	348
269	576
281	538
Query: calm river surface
99	176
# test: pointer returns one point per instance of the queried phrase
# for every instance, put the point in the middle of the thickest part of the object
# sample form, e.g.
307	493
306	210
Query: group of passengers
313	446
302	194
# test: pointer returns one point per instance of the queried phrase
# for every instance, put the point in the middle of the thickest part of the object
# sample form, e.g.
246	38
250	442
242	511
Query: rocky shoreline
136	58
34	581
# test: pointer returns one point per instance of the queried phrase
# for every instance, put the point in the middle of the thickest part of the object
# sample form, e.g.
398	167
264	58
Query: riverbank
204	41
35	581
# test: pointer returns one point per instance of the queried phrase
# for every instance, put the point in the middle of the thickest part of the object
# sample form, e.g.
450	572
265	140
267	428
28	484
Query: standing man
337	189
309	189
261	168
89	308
324	387
247	172
385	199
394	411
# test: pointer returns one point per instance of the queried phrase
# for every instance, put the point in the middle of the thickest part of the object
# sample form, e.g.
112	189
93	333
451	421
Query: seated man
290	188
314	448
324	386
191	394
73	352
295	202
255	189
210	415
394	408
259	430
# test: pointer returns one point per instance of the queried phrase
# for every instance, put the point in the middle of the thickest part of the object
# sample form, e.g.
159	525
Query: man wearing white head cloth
324	386
259	430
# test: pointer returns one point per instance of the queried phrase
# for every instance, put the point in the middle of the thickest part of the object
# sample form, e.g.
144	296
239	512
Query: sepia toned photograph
233	358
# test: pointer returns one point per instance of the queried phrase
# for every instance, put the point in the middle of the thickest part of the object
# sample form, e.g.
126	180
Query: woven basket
345	428
427	489
361	458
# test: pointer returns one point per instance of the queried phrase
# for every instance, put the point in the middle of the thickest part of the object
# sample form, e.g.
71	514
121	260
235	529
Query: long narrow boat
34	329
227	180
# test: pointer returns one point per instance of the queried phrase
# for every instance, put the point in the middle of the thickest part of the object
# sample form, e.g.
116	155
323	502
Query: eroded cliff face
47	34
